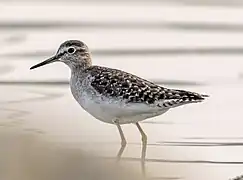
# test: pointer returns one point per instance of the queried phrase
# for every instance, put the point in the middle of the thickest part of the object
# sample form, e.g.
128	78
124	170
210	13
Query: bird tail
191	96
182	98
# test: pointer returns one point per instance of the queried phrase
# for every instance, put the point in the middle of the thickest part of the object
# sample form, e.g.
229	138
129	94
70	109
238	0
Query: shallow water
201	53
187	142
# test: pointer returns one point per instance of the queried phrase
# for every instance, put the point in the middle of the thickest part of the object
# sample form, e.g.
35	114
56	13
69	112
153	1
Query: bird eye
71	50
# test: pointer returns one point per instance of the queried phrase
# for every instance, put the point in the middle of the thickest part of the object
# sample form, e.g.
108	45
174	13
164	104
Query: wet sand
25	156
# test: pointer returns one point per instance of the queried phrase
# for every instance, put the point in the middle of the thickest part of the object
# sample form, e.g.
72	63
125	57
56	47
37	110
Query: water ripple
140	52
201	144
62	25
180	161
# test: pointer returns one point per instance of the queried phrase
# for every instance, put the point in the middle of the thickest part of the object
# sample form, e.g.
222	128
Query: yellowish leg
144	146
123	140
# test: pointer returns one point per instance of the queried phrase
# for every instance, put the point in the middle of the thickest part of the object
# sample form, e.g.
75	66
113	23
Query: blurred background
185	44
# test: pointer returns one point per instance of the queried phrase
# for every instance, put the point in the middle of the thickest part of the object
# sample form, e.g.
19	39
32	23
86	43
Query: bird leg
144	146
123	140
144	136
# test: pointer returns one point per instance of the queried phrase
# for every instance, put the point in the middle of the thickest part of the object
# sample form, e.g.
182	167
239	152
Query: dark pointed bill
48	61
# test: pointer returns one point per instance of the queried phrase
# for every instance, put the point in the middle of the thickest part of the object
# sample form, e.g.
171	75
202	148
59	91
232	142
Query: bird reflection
120	152
144	149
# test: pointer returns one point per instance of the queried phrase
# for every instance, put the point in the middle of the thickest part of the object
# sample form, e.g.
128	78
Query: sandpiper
114	96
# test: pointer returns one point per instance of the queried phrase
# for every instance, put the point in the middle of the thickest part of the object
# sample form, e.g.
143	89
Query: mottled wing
116	83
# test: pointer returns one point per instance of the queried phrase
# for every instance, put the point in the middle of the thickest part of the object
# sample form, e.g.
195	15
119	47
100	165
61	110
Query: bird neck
81	65
78	71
